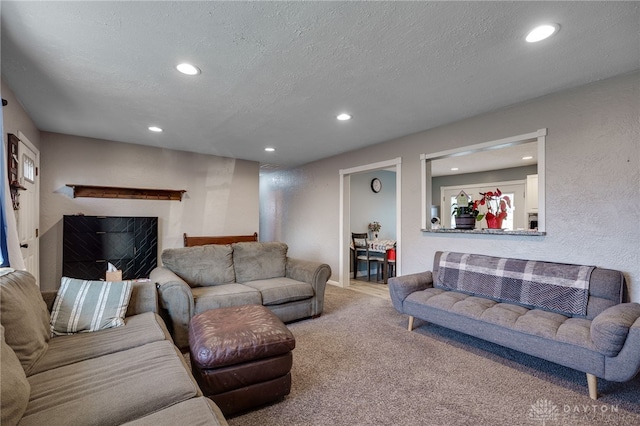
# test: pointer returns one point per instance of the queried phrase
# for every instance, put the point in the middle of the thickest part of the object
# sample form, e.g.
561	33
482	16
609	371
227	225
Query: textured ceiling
277	73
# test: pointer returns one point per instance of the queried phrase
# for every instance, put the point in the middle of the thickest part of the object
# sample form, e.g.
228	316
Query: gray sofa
132	374
539	308
195	279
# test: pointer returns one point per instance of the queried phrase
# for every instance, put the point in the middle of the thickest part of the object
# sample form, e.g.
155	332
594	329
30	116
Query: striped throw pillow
84	306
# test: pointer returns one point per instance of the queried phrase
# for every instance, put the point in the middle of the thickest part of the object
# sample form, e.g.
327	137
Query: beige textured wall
221	198
593	185
16	119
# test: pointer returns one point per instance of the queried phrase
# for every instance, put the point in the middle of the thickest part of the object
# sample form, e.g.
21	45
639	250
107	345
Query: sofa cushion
223	296
444	300
84	306
540	323
472	306
504	314
276	291
113	389
14	387
259	261
138	330
201	265
24	317
576	331
144	298
193	412
609	329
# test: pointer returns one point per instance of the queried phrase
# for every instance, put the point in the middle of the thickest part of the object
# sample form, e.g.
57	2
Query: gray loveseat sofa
195	279
132	374
572	315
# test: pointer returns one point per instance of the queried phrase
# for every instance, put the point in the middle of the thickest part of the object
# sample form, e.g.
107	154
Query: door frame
345	214
36	211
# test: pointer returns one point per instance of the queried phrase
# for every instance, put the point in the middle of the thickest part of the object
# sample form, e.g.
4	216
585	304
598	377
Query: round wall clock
376	185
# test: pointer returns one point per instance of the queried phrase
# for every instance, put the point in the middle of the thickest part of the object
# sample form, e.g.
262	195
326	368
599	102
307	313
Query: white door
28	214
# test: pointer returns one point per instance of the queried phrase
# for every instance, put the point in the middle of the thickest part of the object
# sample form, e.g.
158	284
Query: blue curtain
4	254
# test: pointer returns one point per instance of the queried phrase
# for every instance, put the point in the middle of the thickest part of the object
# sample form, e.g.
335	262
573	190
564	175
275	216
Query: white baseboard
334	283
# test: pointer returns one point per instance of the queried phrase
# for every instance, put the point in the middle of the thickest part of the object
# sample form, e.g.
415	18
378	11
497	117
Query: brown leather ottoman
241	356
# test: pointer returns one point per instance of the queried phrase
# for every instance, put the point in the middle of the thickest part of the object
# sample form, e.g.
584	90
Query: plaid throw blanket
552	286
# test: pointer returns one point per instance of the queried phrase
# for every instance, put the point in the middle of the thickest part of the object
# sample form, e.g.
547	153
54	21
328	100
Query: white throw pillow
84	306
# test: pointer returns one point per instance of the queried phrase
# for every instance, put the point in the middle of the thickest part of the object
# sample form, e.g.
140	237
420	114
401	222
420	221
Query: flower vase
375	235
495	222
492	222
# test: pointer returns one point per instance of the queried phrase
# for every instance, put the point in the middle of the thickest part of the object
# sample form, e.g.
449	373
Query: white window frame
425	172
28	168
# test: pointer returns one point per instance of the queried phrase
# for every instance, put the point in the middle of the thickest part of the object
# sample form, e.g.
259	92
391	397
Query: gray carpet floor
358	365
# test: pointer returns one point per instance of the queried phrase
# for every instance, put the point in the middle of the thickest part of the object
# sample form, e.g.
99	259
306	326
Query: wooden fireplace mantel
95	191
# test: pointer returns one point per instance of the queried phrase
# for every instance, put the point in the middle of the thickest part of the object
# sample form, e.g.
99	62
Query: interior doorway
345	213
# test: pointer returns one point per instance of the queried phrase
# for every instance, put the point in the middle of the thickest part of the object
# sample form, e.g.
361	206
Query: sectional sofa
131	374
572	315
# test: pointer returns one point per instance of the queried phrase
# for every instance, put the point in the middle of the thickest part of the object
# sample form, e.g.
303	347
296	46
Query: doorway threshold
380	290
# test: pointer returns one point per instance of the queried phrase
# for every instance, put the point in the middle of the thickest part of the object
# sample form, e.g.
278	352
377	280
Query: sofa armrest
314	273
176	298
609	329
626	364
403	286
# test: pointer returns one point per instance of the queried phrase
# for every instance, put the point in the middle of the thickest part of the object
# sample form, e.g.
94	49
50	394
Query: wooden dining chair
360	247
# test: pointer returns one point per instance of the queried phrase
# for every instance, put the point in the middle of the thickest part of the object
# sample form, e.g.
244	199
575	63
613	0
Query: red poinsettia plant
496	205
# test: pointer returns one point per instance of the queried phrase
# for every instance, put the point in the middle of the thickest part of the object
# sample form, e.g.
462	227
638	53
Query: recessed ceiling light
188	69
155	129
542	32
454	169
528	157
344	117
269	149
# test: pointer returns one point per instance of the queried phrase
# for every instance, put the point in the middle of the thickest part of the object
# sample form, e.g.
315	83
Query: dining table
386	248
